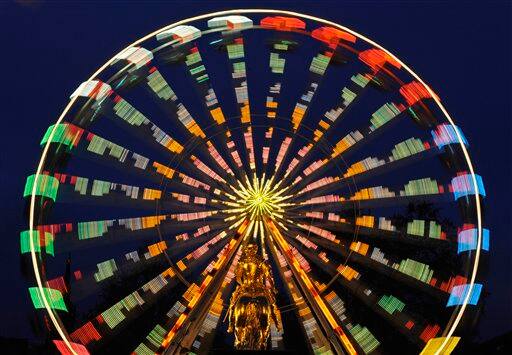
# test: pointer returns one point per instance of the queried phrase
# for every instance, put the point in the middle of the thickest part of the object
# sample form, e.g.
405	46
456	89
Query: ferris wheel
268	128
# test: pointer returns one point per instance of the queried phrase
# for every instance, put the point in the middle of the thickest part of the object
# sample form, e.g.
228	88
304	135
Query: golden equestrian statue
253	305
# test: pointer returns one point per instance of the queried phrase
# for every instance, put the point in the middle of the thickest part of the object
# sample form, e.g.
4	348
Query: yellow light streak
283	244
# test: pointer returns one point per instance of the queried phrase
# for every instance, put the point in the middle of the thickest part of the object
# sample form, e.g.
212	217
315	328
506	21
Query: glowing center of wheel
260	203
257	199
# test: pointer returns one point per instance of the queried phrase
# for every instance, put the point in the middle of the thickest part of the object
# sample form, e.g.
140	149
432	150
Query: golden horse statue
253	305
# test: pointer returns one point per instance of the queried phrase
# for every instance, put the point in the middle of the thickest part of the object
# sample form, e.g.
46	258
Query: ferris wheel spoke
412	273
315	337
349	95
84	144
425	190
277	64
378	63
277	61
86	191
114	318
410	151
383	119
133	264
388	115
197	70
72	237
318	68
115	269
417	233
166	96
136	123
203	340
384	304
117	317
196	297
310	290
232	42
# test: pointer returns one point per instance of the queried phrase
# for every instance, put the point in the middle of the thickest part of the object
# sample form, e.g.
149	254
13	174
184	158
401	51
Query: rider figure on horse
252	295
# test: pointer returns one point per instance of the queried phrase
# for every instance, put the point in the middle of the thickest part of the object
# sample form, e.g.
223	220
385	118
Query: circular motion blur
255	180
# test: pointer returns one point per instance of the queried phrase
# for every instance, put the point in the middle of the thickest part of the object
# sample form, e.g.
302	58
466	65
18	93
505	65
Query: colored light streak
285	247
221	261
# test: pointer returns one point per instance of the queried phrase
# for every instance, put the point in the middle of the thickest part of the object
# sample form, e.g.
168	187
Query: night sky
462	49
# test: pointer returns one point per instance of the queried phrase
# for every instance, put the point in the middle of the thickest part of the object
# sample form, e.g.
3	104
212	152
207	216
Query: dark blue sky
462	49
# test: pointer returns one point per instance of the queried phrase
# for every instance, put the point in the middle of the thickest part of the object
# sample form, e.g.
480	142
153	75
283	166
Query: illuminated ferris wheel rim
54	318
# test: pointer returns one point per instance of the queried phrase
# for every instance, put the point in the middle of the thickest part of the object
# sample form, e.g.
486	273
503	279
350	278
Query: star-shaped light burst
257	200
